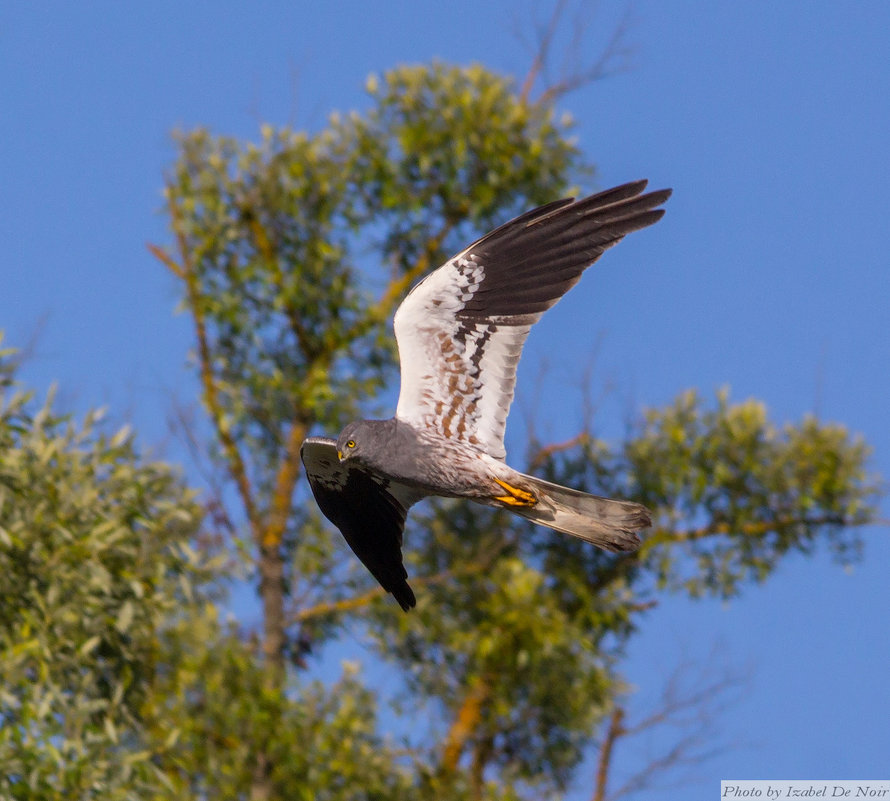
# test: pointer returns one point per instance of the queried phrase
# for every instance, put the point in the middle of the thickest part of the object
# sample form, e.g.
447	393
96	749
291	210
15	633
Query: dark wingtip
650	217
660	196
405	596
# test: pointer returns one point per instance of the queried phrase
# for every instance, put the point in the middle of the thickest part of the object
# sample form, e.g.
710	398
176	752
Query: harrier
460	332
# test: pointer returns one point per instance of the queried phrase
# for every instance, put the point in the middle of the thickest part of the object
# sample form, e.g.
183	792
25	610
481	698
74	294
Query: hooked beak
340	454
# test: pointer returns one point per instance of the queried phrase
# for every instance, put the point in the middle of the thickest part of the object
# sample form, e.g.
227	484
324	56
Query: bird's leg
516	497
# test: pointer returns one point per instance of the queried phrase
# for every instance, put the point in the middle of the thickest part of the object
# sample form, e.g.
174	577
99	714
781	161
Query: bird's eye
350	443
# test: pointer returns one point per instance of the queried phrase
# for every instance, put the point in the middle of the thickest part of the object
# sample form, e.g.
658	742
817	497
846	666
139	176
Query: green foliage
765	490
453	150
271	278
116	678
94	566
321	740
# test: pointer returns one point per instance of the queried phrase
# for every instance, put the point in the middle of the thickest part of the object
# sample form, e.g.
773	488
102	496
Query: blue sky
769	273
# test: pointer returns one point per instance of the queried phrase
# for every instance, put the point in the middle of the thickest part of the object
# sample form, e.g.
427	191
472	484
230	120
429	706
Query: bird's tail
609	524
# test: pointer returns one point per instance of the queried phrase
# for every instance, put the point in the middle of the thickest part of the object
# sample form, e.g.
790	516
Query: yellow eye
350	443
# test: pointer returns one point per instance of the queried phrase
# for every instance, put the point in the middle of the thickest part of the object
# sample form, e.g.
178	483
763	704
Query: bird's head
349	443
363	439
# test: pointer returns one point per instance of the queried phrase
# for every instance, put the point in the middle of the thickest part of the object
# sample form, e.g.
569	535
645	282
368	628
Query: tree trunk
465	723
272	596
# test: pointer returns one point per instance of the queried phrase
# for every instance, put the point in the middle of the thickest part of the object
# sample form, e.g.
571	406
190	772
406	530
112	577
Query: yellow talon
511	501
517	497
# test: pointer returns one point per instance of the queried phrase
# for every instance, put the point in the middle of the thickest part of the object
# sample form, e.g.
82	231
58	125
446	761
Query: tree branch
601	68
356	602
753	529
468	716
696	710
546	451
573	78
266	249
621	565
545	39
616	729
185	270
167	260
481	755
344	605
285	482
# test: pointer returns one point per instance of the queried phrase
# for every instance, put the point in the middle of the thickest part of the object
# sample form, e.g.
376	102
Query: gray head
365	440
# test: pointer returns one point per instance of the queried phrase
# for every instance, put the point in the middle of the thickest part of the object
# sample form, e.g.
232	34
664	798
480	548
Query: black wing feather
370	517
532	261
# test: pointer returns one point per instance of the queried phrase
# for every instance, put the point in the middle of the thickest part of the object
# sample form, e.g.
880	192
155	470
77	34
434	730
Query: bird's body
391	447
460	333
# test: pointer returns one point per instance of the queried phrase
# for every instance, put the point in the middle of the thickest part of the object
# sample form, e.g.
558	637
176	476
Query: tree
96	572
122	672
515	646
118	680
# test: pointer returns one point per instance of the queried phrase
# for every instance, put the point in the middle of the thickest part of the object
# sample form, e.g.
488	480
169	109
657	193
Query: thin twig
356	602
601	68
545	452
167	260
545	39
612	58
697	711
616	729
622	565
187	272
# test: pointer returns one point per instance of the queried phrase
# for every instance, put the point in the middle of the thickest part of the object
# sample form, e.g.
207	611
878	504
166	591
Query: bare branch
182	426
614	58
185	270
546	451
693	700
167	260
573	72
481	565
616	729
545	40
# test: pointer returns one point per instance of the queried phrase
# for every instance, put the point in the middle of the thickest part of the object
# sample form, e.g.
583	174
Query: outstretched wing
461	330
369	511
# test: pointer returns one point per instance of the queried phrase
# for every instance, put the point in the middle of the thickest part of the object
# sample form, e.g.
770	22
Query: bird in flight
460	332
